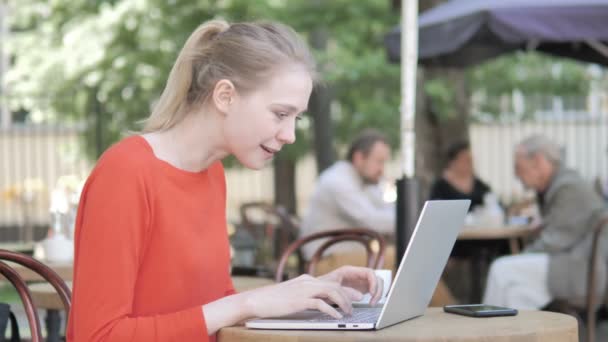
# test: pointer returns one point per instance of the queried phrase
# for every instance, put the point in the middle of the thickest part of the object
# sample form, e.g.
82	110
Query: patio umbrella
461	33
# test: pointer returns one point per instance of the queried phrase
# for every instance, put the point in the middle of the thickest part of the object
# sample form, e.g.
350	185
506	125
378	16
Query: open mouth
269	150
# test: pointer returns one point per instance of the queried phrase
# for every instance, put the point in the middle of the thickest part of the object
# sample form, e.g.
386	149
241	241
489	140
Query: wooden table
45	297
21	247
510	233
435	325
482	254
244	283
64	270
50	300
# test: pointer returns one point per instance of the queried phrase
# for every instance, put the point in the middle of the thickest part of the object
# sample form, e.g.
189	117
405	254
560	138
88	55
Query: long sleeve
112	232
356	205
564	224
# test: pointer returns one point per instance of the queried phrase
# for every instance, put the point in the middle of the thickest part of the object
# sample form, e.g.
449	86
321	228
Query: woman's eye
281	115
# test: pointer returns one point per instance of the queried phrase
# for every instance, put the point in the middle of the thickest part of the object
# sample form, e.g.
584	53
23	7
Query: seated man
554	265
347	195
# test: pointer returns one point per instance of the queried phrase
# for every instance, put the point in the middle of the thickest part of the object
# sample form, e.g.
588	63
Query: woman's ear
223	95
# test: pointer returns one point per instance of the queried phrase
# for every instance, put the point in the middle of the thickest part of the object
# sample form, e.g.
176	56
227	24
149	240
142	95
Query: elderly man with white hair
554	265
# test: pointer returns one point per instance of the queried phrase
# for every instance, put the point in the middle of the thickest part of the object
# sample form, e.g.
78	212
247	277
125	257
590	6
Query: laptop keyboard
360	315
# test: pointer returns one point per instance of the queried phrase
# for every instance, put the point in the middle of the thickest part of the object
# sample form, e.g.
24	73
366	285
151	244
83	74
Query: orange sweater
151	249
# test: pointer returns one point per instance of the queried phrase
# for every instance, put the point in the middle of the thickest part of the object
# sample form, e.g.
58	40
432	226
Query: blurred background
77	75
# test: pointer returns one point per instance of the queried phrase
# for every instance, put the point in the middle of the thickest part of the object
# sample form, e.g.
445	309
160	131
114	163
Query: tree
105	62
444	96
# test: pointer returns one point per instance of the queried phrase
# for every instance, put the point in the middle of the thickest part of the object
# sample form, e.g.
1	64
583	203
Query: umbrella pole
407	186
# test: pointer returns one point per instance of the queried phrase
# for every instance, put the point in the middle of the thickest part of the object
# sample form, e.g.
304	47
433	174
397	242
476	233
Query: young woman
152	253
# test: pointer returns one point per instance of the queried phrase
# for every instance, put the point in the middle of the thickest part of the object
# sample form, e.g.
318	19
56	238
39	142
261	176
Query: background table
45	297
244	283
485	249
510	233
64	270
435	325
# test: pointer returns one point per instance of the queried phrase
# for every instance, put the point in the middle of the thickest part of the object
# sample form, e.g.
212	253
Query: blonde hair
244	53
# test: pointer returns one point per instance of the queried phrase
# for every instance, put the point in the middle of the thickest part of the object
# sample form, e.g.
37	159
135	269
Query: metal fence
584	144
32	160
579	124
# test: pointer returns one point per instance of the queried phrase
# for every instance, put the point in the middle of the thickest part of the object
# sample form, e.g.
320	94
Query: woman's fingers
321	305
336	294
353	294
377	293
308	287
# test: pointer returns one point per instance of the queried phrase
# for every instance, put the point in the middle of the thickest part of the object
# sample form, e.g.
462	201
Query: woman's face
463	162
260	122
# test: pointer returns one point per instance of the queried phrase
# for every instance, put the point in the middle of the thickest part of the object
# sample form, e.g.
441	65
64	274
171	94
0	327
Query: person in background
151	247
601	186
555	264
348	195
458	180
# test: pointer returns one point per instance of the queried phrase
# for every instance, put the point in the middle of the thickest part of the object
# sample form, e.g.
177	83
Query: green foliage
530	73
442	97
80	59
364	86
536	75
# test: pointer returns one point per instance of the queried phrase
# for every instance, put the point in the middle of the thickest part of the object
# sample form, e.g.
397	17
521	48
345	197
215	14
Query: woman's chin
254	164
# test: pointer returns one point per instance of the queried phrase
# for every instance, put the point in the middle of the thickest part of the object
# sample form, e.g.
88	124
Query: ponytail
244	53
173	102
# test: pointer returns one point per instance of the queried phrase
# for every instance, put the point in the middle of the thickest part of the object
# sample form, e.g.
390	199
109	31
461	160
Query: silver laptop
418	274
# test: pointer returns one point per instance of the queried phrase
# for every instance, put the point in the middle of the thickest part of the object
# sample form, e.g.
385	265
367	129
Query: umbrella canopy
460	33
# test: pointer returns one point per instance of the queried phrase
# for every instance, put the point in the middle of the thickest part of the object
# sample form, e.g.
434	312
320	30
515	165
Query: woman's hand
362	279
298	294
341	287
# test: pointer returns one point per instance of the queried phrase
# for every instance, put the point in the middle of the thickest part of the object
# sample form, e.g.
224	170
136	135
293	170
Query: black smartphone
479	310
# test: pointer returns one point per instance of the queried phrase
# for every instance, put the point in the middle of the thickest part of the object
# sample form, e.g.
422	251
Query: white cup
387	278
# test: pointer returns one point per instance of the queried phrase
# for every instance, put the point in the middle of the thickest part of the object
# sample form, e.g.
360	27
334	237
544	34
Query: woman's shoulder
440	182
481	185
129	154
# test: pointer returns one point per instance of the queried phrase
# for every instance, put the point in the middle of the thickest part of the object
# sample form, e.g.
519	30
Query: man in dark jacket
554	265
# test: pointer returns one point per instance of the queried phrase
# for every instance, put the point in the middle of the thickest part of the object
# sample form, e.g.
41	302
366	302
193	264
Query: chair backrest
592	301
44	271
266	221
366	237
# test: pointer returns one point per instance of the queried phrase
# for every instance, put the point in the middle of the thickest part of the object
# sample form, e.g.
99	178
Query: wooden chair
266	221
47	273
588	313
592	302
364	236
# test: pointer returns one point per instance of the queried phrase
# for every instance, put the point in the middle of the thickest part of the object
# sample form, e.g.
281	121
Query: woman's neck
460	180
193	144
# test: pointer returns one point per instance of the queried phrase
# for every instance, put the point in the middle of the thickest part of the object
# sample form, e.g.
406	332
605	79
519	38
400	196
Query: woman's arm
341	287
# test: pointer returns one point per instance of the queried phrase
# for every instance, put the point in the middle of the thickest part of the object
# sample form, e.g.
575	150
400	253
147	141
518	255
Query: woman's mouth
268	150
